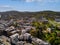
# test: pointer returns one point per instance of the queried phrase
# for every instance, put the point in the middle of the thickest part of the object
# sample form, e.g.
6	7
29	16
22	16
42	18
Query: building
23	31
14	38
0	16
20	43
25	37
43	19
12	30
37	41
57	19
4	40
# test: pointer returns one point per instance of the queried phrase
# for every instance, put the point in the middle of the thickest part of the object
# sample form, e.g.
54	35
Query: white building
39	41
20	43
14	38
23	31
25	36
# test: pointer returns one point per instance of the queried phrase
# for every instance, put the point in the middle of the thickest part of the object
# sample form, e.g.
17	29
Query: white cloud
42	0
29	0
5	6
52	0
38	0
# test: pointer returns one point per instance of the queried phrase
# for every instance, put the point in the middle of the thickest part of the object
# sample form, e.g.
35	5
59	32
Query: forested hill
17	14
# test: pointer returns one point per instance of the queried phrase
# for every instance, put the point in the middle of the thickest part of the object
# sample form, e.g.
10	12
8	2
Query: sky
29	5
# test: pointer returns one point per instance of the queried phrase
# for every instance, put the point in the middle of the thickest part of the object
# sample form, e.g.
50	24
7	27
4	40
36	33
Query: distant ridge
17	14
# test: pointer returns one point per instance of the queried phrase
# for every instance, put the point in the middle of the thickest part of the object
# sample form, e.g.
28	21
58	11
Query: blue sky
29	5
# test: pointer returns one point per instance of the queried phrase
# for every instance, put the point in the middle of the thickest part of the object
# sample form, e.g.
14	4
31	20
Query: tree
33	33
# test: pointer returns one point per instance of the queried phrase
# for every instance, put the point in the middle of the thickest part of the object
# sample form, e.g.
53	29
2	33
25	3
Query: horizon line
29	11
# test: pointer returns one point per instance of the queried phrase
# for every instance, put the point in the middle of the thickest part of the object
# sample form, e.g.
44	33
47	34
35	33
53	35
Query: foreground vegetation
52	36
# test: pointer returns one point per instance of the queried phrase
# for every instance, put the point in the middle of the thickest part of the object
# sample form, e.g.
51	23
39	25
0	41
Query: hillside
18	15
